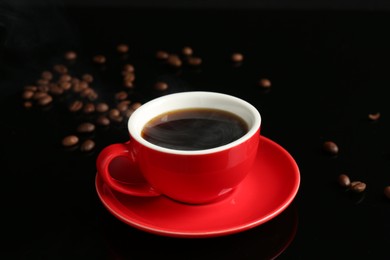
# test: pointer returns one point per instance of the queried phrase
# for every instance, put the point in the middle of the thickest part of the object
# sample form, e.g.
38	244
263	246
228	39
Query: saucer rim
220	232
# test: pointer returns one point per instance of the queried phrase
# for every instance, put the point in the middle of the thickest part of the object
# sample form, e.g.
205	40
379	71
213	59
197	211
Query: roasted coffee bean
136	105
76	106
102	107
194	61
27	94
30	88
358	186
121	95
128	113
129	77
128	68
87	145
65	85
330	147
92	96
187	51
43	82
374	116
113	113
237	57
70	55
80	86
43	88
47	75
128	84
86	92
161	86
123	105
56	90
174	60
99	59
265	83
39	94
60	68
87	78
344	180
387	191
65	78
27	104
103	120
122	48
89	108
162	55
86	127
70	140
44	101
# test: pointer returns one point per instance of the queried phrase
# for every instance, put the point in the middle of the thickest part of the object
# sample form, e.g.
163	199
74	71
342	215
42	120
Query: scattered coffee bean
128	68
330	147
86	127
162	55
374	116
65	78
99	59
102	107
27	94
161	86
47	75
27	104
56	90
129	77
70	55
75	106
121	95
344	180
387	191
135	105
174	60
43	82
187	51
237	57
103	120
123	105
194	61
113	113
89	108
65	85
60	68
87	145
70	140
44	101
128	84
358	186
31	88
87	78
122	48
265	83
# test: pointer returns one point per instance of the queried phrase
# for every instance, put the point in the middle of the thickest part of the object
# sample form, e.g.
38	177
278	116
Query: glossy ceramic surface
270	187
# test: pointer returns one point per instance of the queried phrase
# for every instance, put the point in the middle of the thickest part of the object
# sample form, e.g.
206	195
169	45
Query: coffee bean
43	82
87	78
237	57
56	90
47	75
99	59
75	106
187	51
344	180
27	104
27	94
194	61
330	147
65	85
113	113
128	68
30	88
128	84
121	95
122	48
38	95
174	60
86	127
162	55
136	105
87	145
129	76
387	191
70	140
358	186
265	83
123	105
89	108
161	86
60	68
65	78
44	101
70	55
103	120
102	107
374	116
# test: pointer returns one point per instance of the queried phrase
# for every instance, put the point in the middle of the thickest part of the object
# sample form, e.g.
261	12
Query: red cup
187	176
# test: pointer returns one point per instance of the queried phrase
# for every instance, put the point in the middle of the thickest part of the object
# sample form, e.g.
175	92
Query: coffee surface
194	129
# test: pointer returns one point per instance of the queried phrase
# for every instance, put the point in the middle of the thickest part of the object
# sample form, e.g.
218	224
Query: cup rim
137	113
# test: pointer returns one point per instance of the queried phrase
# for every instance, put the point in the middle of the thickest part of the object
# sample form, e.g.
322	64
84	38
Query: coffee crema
194	129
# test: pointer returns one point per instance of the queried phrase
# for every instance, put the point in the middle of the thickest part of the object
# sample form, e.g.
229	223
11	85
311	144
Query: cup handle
105	158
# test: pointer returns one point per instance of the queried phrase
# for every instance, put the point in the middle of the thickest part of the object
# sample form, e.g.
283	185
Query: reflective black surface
329	71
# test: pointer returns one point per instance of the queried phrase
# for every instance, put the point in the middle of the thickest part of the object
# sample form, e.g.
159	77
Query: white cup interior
193	99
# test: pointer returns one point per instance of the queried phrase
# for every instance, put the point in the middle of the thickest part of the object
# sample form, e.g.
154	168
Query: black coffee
194	129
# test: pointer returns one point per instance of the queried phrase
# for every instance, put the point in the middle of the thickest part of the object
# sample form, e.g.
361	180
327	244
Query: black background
329	67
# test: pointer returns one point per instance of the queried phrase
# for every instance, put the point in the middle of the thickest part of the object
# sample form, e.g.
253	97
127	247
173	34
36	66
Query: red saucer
268	189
